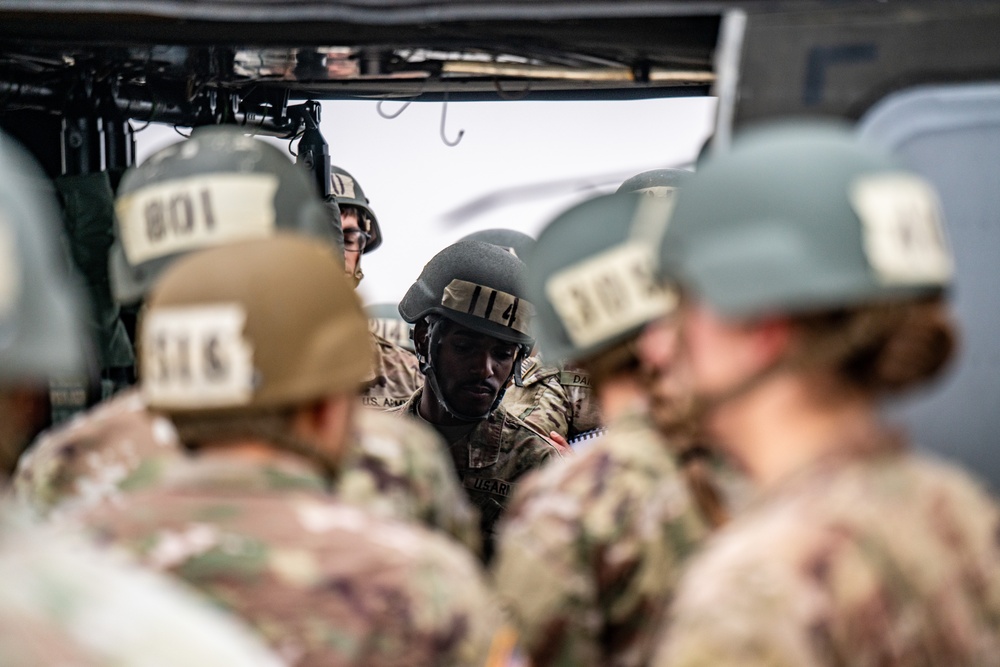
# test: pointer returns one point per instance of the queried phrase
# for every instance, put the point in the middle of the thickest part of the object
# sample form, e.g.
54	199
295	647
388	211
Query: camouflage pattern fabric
323	582
400	471
553	399
396	469
886	560
586	415
491	460
591	548
395	377
65	603
83	462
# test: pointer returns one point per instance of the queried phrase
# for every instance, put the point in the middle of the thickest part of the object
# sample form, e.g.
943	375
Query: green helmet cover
347	192
517	243
656	182
479	286
42	327
217	187
592	275
804	218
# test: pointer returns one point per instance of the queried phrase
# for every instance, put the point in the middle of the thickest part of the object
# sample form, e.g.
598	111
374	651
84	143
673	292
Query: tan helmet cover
260	324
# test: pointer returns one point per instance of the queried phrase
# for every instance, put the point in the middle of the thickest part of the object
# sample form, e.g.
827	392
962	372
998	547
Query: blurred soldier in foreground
813	271
396	373
591	548
200	193
262	389
471	326
62	602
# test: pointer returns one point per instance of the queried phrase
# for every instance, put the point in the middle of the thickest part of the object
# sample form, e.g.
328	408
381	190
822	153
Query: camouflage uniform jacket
63	602
82	462
886	560
591	548
396	470
400	471
323	582
553	399
395	377
491	460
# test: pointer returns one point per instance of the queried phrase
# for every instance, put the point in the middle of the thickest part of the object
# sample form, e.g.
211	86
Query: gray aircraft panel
951	134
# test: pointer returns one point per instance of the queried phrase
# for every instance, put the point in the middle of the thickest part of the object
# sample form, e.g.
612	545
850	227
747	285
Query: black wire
290	141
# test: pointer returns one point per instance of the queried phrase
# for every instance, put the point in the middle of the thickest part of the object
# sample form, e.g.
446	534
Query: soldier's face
352	255
668	386
472	367
721	354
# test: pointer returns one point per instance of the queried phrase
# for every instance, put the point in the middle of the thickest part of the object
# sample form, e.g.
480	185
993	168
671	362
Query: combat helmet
478	286
220	335
803	218
592	275
42	324
217	187
348	192
656	182
517	243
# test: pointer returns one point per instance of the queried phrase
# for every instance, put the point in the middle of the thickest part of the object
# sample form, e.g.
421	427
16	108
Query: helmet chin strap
427	368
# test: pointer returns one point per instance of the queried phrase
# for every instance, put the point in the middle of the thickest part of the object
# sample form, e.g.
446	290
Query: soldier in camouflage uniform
265	404
396	373
812	269
558	399
397	471
62	602
471	332
591	549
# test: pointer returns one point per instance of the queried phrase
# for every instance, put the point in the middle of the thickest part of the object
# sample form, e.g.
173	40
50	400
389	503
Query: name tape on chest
10	268
489	304
578	379
196	357
496	487
902	228
608	294
342	186
195	212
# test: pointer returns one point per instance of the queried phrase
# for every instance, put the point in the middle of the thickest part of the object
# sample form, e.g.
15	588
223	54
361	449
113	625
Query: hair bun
916	349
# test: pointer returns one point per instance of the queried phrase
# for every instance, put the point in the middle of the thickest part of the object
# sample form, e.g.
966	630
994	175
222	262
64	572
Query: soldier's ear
420	335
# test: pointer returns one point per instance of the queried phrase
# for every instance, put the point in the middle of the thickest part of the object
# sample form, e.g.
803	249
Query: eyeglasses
355	240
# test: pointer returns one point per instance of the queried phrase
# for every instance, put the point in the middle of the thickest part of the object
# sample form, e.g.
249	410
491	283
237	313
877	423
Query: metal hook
444	120
390	116
511	94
